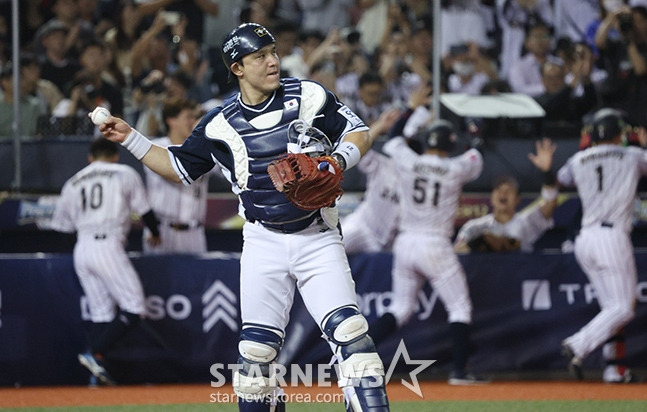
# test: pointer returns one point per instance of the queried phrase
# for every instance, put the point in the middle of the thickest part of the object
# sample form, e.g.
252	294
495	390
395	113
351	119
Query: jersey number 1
420	192
600	177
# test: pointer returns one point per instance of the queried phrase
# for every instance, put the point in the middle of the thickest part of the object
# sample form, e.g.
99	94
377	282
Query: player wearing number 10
97	203
430	188
606	177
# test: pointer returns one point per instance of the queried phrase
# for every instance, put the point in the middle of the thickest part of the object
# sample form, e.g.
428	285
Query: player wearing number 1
430	187
606	176
97	203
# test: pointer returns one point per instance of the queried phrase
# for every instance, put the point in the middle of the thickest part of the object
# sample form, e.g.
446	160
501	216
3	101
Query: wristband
137	144
549	193
350	154
549	178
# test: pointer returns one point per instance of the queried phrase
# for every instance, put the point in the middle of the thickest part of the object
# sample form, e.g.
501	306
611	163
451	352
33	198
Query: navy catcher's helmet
243	40
440	135
606	125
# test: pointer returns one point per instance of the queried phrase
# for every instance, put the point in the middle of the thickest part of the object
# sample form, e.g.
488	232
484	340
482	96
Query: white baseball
100	115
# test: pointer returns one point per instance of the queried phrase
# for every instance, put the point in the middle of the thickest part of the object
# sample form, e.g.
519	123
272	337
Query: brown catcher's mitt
310	183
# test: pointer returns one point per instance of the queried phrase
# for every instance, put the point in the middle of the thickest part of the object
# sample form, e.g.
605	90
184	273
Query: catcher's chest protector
261	200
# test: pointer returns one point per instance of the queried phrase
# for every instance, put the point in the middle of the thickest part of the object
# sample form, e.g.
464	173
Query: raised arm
153	156
543	161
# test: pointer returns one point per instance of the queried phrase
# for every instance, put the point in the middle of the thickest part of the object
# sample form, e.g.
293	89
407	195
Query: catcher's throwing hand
310	183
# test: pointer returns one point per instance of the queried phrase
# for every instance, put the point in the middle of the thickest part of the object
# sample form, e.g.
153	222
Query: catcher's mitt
308	182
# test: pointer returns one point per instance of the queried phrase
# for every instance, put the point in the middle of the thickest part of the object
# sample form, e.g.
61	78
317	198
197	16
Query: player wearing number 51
430	187
286	247
97	203
606	177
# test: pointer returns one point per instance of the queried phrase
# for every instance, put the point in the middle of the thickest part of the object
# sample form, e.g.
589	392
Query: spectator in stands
525	73
79	30
475	19
152	50
46	92
504	229
192	65
122	37
573	18
393	64
324	15
513	17
369	102
421	46
286	34
56	65
471	70
559	99
624	58
94	61
30	109
298	63
193	11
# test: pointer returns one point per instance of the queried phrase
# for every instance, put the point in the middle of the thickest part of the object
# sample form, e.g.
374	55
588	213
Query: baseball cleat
465	378
574	363
627	378
95	369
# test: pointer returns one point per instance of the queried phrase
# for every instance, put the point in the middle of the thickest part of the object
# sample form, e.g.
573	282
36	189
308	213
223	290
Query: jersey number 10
94	198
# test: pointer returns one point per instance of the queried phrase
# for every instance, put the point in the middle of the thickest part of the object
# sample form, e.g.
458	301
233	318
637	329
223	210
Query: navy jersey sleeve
338	119
195	157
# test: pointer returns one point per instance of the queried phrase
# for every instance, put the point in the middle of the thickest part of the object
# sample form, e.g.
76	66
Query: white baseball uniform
373	224
606	177
97	203
430	188
526	226
181	211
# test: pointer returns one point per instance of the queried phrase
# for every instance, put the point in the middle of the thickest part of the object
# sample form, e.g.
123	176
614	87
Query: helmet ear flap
585	137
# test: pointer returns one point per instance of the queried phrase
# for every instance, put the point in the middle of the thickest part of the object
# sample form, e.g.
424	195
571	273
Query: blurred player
372	226
430	188
606	176
504	229
97	203
181	209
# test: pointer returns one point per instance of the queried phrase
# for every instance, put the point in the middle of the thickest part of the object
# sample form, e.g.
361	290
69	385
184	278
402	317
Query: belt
606	224
100	236
291	226
183	226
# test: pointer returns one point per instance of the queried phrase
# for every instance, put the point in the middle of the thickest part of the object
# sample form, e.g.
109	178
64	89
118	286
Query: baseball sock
382	328
460	333
104	335
613	352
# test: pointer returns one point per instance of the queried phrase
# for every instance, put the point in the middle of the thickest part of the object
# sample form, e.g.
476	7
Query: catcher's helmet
441	135
607	124
243	40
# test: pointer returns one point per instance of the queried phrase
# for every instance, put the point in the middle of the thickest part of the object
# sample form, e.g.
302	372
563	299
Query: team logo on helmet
261	31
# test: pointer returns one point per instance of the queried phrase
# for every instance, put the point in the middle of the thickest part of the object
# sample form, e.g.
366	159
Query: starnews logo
320	375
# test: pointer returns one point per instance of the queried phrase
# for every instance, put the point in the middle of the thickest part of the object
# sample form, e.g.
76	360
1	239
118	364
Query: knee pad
361	372
260	345
345	325
258	348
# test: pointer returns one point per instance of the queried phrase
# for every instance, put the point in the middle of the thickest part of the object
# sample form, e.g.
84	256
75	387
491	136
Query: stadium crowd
572	56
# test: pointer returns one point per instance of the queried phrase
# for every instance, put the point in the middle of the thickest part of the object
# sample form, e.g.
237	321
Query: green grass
439	406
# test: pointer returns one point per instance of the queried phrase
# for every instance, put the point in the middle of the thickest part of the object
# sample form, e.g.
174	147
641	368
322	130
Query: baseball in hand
99	115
